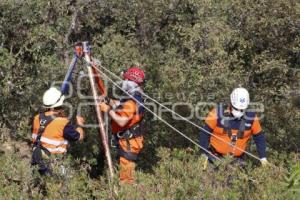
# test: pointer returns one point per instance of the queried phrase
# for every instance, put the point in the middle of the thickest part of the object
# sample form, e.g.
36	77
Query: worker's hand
80	120
205	163
264	162
205	160
104	107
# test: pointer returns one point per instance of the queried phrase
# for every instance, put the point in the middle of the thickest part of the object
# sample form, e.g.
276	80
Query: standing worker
235	125
126	116
52	132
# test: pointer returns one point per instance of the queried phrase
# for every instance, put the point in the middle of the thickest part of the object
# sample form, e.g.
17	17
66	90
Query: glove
104	107
205	163
264	162
206	160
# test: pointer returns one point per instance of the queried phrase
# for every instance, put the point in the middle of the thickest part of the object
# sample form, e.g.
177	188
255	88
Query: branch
67	35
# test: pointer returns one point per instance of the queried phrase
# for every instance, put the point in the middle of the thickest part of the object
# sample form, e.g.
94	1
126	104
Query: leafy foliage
192	51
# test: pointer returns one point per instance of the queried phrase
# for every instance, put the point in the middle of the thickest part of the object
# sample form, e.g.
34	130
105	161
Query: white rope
167	123
185	119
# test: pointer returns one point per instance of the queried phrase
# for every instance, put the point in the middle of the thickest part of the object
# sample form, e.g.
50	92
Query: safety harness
127	135
225	118
135	131
240	134
37	154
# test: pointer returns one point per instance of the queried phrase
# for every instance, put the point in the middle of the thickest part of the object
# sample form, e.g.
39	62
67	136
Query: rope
183	118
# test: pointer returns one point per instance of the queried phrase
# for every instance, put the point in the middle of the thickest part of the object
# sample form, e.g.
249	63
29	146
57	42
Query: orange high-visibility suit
236	132
51	135
129	138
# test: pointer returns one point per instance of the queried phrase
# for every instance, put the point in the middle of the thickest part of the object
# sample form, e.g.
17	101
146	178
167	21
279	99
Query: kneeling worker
233	124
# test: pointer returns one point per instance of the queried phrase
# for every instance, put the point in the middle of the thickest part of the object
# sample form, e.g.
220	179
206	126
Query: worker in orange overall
126	115
231	127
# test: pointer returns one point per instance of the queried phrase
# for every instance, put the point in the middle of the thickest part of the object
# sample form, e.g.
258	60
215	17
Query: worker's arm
260	142
205	133
128	110
70	133
73	133
120	120
204	140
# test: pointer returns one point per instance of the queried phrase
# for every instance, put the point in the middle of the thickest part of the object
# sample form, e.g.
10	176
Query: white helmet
240	98
53	98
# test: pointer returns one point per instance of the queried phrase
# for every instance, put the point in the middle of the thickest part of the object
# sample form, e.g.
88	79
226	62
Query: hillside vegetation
192	51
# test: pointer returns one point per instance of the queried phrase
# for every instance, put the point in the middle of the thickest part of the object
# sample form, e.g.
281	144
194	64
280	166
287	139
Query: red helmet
134	74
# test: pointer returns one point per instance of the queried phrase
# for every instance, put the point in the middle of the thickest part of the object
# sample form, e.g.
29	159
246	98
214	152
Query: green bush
192	51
